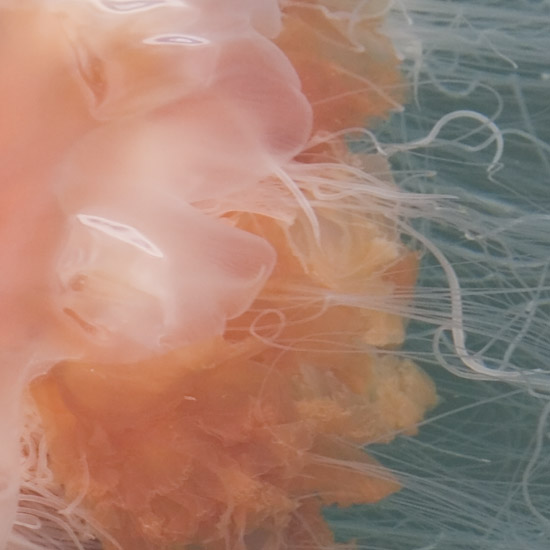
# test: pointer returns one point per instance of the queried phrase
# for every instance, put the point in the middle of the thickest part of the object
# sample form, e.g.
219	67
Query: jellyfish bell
25	252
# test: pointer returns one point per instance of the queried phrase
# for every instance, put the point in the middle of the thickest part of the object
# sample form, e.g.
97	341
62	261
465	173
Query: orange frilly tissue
199	280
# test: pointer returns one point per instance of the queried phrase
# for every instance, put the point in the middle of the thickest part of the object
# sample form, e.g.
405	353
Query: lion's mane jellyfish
201	283
209	265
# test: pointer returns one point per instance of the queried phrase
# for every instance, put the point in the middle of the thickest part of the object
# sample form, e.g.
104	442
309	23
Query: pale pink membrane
32	139
104	253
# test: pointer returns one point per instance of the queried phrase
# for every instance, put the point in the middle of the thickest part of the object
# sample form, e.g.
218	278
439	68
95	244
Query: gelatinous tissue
201	283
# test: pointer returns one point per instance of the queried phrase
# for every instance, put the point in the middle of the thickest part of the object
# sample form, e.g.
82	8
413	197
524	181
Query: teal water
477	477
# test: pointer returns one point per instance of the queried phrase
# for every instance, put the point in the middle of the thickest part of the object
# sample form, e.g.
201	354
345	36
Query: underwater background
477	476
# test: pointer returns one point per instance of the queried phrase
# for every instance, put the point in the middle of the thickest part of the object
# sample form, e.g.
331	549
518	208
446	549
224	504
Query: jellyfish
240	256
